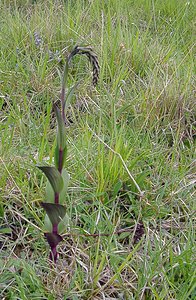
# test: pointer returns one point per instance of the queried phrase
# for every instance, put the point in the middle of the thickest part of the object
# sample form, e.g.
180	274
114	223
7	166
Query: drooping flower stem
95	64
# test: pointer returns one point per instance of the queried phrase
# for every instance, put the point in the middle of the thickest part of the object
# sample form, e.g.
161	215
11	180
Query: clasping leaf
54	177
55	212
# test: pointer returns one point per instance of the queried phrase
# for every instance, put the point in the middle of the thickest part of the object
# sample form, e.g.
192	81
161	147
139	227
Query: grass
138	123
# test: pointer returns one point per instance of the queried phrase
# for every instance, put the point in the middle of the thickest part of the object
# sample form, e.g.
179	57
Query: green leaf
66	178
54	177
1	210
47	224
49	193
62	194
63	225
70	94
53	239
142	177
117	188
55	212
61	134
56	156
5	230
124	235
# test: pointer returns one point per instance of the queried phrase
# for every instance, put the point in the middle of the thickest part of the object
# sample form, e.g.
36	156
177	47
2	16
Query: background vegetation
138	122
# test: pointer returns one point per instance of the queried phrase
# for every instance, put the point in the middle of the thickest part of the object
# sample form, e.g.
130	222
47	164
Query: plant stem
56	198
63	103
55	228
64	84
60	163
53	254
93	59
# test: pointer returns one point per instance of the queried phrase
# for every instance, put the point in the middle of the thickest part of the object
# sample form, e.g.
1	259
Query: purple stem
53	253
56	198
60	164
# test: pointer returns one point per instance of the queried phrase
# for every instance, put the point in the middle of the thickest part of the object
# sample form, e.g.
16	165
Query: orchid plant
57	175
